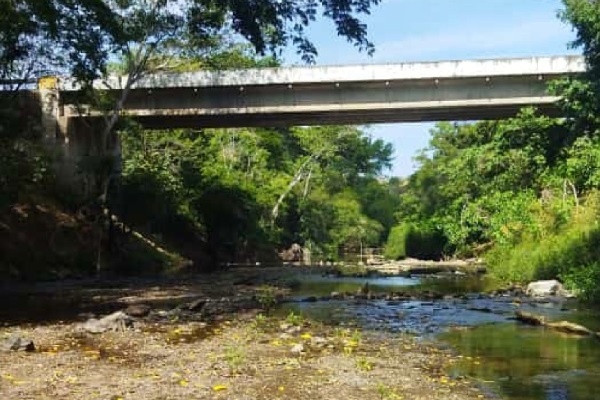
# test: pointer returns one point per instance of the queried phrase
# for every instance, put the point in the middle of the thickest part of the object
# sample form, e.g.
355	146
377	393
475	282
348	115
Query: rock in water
17	343
118	321
560	326
529	318
570	327
544	288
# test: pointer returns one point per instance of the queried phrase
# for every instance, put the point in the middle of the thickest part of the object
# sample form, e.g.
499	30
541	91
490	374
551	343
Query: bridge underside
339	117
417	100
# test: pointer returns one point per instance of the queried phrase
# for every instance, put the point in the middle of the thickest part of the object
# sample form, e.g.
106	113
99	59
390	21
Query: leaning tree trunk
295	180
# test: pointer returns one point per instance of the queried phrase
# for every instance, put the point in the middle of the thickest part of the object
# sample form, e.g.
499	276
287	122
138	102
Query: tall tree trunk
295	180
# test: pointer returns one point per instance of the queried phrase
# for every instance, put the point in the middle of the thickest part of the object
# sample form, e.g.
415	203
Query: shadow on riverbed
70	301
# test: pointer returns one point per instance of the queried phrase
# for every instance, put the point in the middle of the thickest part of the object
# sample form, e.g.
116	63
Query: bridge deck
533	66
352	94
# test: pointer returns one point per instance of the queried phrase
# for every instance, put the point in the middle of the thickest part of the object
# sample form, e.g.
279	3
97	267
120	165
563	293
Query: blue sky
429	30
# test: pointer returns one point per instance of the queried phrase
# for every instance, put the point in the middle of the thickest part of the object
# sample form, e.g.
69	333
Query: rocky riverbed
207	338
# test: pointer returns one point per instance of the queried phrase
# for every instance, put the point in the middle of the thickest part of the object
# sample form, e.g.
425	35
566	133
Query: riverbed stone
18	343
284	326
318	341
297	348
117	321
544	288
137	310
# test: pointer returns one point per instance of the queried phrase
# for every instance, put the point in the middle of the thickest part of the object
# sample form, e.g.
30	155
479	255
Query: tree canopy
521	192
78	37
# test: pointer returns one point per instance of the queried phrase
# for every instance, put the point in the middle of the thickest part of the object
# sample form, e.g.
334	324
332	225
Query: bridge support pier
81	157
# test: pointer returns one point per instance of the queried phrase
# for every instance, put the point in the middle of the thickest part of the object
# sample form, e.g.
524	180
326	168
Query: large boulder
293	254
545	288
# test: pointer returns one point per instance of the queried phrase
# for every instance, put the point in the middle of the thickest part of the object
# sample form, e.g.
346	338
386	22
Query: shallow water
523	362
318	285
514	361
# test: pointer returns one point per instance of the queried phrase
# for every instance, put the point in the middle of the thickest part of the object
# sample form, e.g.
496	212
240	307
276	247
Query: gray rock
544	288
118	321
297	348
293	330
137	310
318	341
17	343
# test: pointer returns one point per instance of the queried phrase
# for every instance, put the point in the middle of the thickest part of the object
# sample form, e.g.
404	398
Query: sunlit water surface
513	361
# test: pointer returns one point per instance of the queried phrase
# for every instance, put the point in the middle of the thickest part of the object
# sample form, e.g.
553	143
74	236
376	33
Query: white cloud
515	36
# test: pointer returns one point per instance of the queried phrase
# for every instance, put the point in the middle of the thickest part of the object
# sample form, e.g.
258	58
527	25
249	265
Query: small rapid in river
511	360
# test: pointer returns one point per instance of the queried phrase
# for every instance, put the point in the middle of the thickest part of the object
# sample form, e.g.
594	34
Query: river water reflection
514	361
529	362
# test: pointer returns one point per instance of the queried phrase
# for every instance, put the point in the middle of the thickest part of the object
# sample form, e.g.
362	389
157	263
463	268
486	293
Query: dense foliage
246	192
520	192
228	203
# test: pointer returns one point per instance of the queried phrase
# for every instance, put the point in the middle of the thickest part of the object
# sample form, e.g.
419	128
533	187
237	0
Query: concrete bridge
351	94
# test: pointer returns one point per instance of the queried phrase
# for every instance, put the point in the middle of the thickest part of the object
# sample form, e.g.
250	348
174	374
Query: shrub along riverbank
523	192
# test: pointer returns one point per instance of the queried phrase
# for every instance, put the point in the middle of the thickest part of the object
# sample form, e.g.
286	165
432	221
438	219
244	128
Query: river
510	360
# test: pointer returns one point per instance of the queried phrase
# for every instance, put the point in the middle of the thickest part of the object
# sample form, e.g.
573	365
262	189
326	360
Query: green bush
419	241
395	248
425	242
571	254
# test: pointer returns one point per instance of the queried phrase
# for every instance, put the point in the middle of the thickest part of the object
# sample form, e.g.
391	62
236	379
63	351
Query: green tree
154	35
